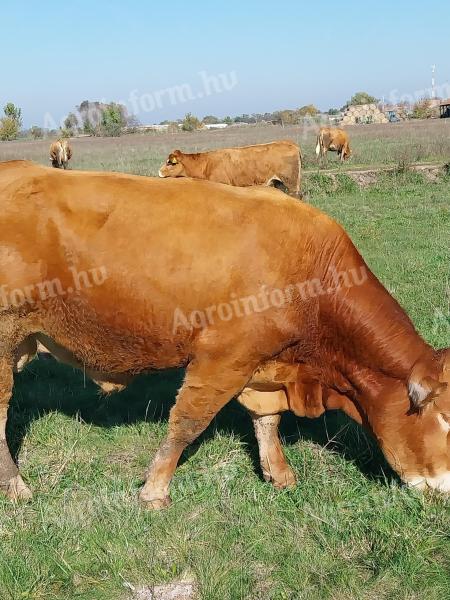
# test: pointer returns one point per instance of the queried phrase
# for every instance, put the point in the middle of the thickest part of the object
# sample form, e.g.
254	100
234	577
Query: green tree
210	120
9	129
71	122
333	111
308	110
361	98
422	109
113	120
36	132
190	123
14	112
11	123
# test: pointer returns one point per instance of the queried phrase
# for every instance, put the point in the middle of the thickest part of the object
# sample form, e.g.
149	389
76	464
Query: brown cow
334	139
60	154
277	164
261	296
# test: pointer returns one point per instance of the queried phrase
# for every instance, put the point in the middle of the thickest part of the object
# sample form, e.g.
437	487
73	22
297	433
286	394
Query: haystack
363	113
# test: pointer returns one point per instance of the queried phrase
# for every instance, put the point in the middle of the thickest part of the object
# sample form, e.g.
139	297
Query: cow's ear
424	391
173	159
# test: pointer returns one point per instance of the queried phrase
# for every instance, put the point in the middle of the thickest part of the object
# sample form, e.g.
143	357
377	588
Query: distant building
215	125
444	109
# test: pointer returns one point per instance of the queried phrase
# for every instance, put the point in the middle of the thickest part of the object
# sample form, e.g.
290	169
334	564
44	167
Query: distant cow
334	139
60	154
277	164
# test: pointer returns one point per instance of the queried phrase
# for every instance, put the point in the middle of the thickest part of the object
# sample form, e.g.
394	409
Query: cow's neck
367	334
194	166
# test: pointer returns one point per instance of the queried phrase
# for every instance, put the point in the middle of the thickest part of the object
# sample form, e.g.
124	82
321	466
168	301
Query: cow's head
173	167
346	152
414	429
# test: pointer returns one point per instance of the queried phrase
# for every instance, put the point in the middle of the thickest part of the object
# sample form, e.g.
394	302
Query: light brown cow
277	164
60	154
261	296
335	140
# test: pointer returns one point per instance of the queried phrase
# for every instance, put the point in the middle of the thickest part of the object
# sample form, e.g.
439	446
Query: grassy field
349	530
142	154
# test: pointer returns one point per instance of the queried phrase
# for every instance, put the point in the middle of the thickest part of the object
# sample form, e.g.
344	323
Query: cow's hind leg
265	408
273	462
209	384
11	483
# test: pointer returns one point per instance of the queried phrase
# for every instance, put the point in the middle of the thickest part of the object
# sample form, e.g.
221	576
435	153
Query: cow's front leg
11	483
209	384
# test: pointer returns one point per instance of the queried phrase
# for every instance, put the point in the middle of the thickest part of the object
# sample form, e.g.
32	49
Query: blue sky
273	54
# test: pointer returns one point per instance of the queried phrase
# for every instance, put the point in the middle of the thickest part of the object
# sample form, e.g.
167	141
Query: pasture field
349	530
373	146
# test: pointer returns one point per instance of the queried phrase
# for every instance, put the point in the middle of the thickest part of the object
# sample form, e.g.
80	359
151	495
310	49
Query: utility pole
433	82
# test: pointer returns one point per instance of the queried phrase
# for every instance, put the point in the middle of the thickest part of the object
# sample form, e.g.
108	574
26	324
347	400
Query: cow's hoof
156	503
17	490
154	499
282	479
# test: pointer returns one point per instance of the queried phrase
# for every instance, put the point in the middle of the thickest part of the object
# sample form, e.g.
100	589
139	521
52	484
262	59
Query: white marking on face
160	174
444	424
417	392
441	483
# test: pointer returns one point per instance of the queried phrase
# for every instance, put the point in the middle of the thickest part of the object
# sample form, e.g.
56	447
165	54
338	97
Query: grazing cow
261	296
60	154
334	139
277	164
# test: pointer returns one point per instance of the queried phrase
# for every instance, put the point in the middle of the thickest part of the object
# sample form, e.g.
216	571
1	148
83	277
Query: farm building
444	109
363	113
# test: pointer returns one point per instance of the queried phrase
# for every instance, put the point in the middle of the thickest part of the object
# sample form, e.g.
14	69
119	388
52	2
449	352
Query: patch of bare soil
176	590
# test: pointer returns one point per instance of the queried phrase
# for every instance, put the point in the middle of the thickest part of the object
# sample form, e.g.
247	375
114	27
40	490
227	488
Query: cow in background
60	154
335	140
276	164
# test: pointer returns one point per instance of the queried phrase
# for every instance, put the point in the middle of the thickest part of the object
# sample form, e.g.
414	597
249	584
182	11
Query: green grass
349	530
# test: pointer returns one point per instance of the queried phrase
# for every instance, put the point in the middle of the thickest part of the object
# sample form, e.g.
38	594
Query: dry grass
391	144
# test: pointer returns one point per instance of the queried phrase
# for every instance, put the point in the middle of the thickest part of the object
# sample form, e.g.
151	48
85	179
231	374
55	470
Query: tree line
111	119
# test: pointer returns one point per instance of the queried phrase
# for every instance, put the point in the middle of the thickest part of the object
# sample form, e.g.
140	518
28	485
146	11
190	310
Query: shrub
190	123
11	123
71	122
14	113
422	109
65	133
36	132
112	121
9	129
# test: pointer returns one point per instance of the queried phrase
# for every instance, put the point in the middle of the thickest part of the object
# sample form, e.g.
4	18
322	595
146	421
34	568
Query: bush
9	129
422	109
112	122
36	132
190	123
11	123
65	133
71	122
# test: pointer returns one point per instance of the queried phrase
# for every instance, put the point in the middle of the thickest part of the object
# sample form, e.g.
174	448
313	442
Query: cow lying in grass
256	294
277	164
